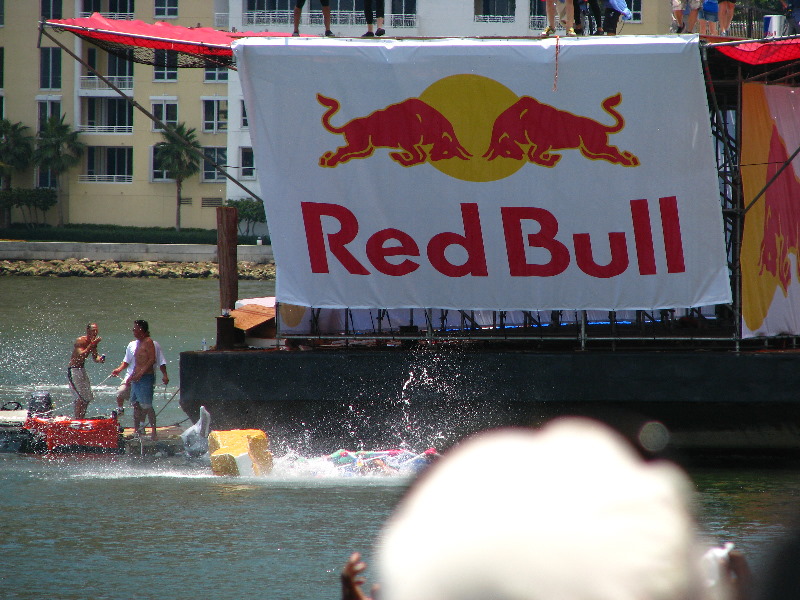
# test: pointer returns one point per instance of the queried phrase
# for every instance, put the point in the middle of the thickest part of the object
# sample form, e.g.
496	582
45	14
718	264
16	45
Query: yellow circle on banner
291	314
472	103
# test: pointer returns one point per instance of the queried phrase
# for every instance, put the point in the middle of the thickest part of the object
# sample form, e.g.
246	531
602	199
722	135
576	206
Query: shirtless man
78	380
143	379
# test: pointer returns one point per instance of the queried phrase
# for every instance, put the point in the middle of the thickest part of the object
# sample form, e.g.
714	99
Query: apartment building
119	181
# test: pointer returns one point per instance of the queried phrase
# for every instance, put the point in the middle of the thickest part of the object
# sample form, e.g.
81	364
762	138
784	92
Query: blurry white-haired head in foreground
568	512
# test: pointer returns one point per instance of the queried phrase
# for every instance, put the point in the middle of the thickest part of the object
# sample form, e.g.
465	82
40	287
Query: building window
2	107
47	109
210	202
219	156
495	11
2	65
2	13
157	172
165	65
215	73
92	6
50	68
108	165
120	9
167	9
51	9
247	168
108	115
165	111
636	9
45	178
121	65
215	115
245	125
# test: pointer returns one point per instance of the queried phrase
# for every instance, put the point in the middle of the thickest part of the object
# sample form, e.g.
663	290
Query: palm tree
179	155
16	154
58	149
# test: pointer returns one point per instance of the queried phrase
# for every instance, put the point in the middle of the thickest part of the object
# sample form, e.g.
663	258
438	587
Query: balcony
113	129
93	83
105	178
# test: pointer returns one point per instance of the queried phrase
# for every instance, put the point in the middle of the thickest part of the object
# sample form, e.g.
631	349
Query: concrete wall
16	250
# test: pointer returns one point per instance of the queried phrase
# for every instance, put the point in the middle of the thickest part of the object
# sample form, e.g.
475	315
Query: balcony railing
494	18
221	20
92	82
110	15
105	178
106	128
338	17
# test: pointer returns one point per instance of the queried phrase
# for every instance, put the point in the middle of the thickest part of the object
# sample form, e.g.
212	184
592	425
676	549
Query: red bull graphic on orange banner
771	240
418	131
453	174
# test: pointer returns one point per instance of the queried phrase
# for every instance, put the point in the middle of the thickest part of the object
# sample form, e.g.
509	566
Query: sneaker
548	31
379	32
368	34
329	33
679	29
295	34
571	32
599	31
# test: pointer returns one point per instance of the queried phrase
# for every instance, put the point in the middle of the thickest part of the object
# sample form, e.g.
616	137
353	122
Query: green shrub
115	234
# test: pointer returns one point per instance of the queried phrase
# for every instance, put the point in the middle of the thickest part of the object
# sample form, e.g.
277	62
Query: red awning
762	52
194	45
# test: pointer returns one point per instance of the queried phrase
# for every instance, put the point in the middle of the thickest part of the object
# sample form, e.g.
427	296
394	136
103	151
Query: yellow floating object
240	452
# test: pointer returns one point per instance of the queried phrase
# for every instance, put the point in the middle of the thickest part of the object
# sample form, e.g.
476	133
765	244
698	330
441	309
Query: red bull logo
533	130
485	140
417	130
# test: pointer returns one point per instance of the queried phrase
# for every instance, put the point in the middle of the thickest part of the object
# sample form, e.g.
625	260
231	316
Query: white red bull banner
771	239
487	174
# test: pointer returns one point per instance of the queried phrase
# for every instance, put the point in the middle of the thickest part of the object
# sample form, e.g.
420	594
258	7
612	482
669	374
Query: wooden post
227	240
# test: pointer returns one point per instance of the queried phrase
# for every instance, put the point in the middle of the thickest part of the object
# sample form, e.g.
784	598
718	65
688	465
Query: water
114	527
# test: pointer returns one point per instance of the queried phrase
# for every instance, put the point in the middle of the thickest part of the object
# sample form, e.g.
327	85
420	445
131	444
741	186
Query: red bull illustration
498	131
419	131
533	129
781	233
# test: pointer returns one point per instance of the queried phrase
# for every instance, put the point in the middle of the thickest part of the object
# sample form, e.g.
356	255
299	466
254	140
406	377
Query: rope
168	401
555	76
106	379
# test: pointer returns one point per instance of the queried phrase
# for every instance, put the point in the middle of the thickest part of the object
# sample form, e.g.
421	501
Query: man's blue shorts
142	390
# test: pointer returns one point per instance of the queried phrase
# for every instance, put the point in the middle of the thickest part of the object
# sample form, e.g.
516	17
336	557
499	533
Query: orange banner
770	277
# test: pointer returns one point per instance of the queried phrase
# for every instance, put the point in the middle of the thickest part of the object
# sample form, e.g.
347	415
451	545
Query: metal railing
221	20
494	19
110	15
90	82
338	17
106	128
84	178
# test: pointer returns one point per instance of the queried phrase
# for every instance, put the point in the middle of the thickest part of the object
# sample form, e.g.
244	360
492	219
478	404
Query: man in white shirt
129	363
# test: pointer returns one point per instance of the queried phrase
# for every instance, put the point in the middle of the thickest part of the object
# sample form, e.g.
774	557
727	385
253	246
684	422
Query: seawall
20	250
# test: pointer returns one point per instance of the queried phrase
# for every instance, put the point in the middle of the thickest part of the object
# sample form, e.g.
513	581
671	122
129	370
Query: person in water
78	380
